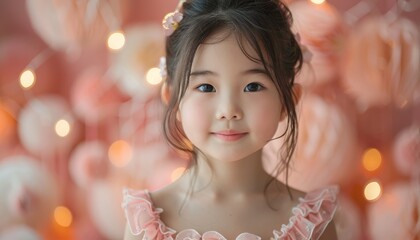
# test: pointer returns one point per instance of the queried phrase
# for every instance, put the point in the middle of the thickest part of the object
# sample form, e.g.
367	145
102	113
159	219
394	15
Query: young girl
230	81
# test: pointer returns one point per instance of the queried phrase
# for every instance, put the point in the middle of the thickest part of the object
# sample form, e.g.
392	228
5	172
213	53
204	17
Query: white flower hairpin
170	23
171	20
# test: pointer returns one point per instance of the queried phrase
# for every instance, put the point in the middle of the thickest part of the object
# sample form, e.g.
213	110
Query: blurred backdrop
80	114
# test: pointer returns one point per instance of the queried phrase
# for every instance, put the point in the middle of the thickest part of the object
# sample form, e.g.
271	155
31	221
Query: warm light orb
27	78
116	40
62	128
153	76
372	191
63	216
372	159
120	153
318	1
177	173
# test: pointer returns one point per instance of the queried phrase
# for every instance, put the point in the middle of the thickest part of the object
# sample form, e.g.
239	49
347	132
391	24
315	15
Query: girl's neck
222	178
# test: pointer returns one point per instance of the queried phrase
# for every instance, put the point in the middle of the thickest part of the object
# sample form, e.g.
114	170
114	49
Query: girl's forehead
229	51
221	49
229	40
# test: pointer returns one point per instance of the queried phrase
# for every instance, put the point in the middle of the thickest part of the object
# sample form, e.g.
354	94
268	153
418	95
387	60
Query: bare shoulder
168	196
293	193
296	194
284	197
330	233
170	199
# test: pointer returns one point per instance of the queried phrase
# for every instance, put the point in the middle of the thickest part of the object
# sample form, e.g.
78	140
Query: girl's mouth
229	135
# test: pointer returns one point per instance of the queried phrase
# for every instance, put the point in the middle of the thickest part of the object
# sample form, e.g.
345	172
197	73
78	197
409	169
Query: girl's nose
229	109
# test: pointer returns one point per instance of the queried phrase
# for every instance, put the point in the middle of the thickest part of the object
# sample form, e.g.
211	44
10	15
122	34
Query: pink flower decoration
395	214
88	162
94	96
143	47
171	22
29	193
67	25
103	200
348	219
407	151
381	62
20	231
325	150
321	30
36	126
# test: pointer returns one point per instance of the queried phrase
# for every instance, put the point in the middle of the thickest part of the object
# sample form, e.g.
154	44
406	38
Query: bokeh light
153	76
62	128
7	122
373	191
27	78
120	153
63	216
116	40
372	159
318	1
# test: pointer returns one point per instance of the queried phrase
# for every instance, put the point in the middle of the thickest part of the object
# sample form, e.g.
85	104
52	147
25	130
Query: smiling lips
229	135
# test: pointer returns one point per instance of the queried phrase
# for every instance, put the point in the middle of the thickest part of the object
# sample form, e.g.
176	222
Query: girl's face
231	108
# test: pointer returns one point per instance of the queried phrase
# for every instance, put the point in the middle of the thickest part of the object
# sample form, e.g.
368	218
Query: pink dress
308	221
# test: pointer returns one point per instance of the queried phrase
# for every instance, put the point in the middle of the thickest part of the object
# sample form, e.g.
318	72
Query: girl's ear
297	94
165	93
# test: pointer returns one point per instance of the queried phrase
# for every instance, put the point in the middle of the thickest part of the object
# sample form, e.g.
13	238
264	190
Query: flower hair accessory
307	54
162	67
171	21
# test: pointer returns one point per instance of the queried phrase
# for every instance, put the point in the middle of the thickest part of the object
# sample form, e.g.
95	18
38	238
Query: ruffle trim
191	234
142	217
309	218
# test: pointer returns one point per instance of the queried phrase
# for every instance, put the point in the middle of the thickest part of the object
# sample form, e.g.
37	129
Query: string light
177	173
318	1
120	153
62	128
116	40
27	78
372	191
153	76
372	159
63	216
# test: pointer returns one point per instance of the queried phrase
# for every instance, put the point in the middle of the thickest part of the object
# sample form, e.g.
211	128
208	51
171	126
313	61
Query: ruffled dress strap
311	216
142	217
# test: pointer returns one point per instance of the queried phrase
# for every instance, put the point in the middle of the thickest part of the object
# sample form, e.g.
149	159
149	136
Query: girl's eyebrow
202	73
246	72
255	71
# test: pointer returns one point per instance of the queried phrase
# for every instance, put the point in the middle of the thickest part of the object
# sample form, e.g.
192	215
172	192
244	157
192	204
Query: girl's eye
253	87
206	88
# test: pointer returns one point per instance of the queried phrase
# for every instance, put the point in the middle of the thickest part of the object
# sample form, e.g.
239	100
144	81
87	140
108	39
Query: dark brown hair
266	26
